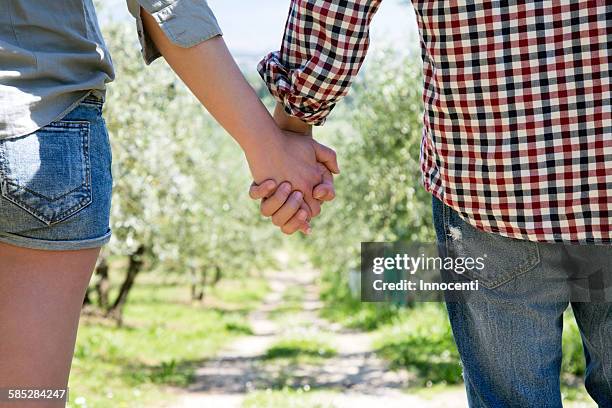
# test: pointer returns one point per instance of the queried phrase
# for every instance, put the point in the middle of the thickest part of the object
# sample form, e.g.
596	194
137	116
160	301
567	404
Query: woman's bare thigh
41	294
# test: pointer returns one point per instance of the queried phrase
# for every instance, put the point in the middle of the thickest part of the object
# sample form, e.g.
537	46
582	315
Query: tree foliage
379	193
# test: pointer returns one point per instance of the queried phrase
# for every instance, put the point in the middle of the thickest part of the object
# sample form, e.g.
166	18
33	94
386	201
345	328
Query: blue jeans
509	333
56	183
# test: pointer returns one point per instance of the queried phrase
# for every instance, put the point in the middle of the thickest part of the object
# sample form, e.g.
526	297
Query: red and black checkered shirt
517	125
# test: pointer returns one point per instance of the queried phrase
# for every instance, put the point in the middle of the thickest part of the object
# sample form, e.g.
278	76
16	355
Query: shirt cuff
186	23
294	90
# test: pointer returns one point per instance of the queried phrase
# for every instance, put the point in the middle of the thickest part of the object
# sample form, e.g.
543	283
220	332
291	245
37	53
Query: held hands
272	155
304	171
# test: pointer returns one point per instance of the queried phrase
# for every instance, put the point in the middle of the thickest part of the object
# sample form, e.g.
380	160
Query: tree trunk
203	283
102	285
194	290
198	285
200	294
218	275
134	268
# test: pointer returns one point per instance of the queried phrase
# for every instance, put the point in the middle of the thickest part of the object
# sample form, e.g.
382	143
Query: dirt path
354	377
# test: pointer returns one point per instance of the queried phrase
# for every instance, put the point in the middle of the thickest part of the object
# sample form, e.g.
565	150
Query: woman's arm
212	75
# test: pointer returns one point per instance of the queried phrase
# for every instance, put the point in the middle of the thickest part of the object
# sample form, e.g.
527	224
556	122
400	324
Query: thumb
326	156
325	191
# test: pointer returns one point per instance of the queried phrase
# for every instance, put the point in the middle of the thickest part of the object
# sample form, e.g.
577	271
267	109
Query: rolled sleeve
325	44
185	22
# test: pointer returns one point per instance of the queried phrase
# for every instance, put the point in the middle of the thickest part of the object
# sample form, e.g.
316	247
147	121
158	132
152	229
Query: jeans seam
603	360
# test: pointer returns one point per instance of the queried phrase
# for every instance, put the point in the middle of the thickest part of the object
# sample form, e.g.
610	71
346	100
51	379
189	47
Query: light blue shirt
52	54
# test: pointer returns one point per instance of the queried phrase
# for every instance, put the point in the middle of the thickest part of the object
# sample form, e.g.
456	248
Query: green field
163	338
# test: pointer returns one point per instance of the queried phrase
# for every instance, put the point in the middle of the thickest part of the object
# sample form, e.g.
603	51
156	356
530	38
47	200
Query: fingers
288	210
305	227
297	223
271	205
314	205
263	190
325	191
326	156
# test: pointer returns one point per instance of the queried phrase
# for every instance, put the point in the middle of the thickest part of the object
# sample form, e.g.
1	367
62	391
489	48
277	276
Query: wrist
290	123
260	146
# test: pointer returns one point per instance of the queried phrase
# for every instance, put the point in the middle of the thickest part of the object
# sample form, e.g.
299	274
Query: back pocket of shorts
47	173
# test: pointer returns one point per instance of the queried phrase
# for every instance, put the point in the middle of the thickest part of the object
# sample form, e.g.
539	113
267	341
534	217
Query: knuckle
263	192
330	194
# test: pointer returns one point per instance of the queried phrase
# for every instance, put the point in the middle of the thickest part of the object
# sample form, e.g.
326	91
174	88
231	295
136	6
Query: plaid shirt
517	124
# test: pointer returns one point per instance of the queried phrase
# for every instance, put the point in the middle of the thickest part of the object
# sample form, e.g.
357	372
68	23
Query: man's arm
324	46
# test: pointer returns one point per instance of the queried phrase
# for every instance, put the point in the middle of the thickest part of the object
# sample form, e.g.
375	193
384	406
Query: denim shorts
56	183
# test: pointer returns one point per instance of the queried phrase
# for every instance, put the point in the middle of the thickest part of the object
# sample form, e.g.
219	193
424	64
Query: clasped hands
294	176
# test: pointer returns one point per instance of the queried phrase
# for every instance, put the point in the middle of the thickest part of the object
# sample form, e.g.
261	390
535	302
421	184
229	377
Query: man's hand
277	202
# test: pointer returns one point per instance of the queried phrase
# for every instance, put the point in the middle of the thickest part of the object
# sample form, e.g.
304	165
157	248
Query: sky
253	28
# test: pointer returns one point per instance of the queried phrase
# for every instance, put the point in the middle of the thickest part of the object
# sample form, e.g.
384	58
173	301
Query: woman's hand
287	214
298	160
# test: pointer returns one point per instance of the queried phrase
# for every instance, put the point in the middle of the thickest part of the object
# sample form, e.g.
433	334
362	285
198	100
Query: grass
300	350
294	294
354	314
284	360
341	307
421	341
573	363
164	338
286	398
